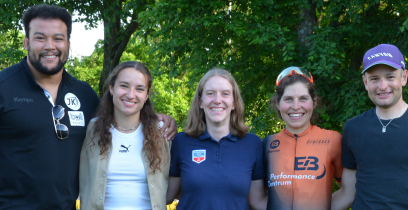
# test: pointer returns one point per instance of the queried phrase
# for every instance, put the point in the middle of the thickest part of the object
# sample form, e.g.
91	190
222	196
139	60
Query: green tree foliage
11	48
256	39
88	68
11	13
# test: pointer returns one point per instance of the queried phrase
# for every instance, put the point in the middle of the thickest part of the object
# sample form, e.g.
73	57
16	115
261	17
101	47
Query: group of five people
125	162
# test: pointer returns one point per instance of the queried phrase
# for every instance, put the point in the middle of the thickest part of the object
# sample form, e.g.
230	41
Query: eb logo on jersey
309	163
306	163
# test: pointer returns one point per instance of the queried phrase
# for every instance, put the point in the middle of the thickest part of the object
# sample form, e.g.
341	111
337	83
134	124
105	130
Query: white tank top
127	187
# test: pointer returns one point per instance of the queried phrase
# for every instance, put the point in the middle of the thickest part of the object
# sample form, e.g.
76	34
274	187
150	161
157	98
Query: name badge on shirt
199	155
72	101
76	118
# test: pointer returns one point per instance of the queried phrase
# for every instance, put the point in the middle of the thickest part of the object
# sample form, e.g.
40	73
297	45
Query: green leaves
181	40
11	49
256	40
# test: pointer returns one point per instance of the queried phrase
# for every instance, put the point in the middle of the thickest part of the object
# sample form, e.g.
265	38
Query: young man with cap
374	147
44	112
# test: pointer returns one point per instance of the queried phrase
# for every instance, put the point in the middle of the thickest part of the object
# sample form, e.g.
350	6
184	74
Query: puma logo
124	151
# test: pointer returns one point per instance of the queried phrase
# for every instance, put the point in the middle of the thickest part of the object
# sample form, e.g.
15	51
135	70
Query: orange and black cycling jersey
300	168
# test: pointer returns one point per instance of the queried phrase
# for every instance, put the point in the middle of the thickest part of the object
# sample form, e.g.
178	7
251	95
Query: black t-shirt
38	170
381	160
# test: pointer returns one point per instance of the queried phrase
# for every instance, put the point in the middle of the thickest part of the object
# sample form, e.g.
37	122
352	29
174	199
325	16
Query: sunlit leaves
11	48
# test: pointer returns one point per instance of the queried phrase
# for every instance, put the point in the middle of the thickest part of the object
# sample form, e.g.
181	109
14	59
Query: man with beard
44	113
374	147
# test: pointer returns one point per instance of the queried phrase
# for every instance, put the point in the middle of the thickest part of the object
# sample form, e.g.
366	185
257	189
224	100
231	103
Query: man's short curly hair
50	12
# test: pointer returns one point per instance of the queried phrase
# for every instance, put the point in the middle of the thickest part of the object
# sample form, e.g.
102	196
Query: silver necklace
123	129
384	128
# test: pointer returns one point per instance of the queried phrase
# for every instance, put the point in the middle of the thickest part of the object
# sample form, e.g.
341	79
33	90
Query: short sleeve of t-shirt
336	151
174	162
258	172
348	158
336	138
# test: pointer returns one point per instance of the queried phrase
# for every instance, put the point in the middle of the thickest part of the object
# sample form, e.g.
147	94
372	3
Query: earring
201	107
233	108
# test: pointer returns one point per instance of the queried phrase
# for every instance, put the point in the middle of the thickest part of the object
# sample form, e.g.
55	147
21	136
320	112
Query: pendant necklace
384	128
117	126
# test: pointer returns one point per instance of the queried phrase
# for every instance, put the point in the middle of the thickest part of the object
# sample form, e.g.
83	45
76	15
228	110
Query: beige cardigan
93	171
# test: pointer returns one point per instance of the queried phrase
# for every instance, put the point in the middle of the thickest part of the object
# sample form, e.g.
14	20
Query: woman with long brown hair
125	159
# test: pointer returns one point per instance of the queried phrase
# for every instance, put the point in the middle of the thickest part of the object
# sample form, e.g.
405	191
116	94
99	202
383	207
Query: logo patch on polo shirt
76	118
72	101
199	155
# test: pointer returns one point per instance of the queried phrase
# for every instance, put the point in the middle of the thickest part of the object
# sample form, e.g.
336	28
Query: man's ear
69	45
365	82
404	77
25	43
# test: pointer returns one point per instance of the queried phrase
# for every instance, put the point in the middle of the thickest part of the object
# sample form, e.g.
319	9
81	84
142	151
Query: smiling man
44	112
374	153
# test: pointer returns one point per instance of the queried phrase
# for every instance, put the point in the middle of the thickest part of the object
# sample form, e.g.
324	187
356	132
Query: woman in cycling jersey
302	159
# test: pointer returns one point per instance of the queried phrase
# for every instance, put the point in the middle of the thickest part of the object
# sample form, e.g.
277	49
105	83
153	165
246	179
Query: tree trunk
357	59
307	15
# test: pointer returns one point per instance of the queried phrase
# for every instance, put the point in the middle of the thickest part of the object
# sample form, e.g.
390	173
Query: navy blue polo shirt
216	175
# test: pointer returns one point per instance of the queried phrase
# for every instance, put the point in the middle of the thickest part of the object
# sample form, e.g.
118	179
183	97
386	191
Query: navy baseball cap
387	54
